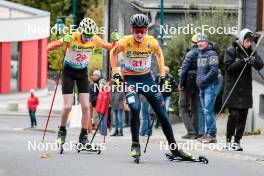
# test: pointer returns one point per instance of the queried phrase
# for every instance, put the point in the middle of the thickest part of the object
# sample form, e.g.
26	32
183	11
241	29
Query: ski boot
84	144
180	155
135	152
61	138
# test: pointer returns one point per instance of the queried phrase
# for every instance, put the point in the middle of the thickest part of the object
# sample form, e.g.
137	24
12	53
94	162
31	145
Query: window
261	105
14	66
260	15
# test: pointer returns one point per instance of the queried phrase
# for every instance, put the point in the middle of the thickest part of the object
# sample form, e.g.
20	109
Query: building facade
24	36
253	18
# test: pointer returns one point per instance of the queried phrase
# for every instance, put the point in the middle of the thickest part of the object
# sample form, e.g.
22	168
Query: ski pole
149	135
54	95
101	118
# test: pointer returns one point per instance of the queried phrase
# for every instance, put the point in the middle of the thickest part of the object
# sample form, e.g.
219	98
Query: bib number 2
80	57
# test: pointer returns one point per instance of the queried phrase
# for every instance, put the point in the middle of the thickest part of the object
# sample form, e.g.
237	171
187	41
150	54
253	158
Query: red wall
5	62
28	67
43	63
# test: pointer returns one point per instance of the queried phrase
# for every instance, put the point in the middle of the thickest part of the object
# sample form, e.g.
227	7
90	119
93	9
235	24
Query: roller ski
61	138
85	145
179	155
135	152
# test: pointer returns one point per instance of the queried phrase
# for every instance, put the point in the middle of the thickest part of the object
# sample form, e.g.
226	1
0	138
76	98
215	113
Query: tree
62	7
177	46
85	8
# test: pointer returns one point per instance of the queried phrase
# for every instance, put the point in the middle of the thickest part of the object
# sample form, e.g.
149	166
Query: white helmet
88	26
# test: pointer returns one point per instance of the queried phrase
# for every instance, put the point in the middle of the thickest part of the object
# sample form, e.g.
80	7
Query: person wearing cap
207	81
118	105
189	92
32	104
240	99
93	94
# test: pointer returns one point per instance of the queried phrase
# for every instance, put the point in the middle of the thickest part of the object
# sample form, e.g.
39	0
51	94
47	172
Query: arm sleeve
258	63
54	45
113	56
231	65
184	68
102	44
160	59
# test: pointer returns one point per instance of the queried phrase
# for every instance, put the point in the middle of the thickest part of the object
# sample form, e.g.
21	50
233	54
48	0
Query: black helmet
139	21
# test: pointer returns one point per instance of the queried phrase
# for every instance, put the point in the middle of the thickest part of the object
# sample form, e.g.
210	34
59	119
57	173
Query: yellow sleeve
119	47
102	44
160	58
59	43
55	44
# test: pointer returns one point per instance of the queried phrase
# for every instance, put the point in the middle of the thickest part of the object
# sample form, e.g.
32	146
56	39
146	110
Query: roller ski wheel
203	159
137	159
200	159
88	148
85	145
61	150
135	152
60	145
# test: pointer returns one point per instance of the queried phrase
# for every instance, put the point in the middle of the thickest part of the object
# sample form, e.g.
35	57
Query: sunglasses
139	30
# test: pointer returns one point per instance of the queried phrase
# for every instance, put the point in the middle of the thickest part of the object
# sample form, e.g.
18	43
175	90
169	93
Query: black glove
250	60
117	79
164	83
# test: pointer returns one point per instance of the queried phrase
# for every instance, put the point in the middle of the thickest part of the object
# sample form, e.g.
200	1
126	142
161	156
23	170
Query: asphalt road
16	158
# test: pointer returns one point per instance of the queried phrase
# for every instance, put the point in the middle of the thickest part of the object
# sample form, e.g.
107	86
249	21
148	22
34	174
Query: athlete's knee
86	107
67	107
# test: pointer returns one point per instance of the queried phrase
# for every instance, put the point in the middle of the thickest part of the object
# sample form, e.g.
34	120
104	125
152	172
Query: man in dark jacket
207	81
189	92
240	99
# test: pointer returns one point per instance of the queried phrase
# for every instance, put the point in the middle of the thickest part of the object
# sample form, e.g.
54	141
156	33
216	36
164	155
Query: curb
42	114
227	154
38	129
